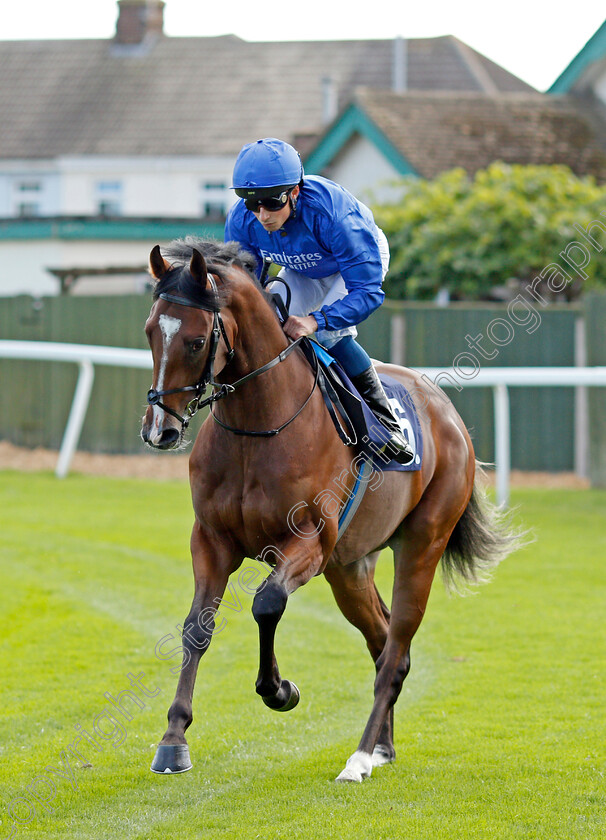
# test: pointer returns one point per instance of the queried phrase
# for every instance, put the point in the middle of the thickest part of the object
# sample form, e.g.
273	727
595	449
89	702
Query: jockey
333	258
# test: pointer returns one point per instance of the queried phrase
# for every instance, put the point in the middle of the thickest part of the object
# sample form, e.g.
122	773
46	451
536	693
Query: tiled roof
437	131
203	96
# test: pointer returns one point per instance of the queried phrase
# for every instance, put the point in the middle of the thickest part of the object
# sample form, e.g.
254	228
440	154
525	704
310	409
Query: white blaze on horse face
169	328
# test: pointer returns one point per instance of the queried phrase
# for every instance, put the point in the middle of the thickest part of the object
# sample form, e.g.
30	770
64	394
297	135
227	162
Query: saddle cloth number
405	424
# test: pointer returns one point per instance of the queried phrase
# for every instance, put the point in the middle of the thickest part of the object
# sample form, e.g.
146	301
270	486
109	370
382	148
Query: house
382	136
423	133
109	146
585	76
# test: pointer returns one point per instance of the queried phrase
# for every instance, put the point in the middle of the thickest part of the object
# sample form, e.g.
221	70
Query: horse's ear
157	264
197	267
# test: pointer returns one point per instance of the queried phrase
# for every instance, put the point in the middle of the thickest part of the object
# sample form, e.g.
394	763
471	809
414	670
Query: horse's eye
197	344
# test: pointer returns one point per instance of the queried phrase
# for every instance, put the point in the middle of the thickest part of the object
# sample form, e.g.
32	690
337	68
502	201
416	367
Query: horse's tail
483	536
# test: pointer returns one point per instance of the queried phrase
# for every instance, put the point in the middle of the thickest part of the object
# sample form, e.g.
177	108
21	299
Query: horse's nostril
169	437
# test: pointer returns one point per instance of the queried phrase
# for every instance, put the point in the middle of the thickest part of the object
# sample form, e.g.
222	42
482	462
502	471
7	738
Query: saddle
355	423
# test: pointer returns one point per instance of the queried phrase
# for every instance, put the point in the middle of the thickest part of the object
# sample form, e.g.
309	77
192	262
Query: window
213	202
29	186
108	198
28	209
213	210
27	199
109	208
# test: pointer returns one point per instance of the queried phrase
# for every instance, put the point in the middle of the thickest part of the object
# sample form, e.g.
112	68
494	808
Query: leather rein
154	397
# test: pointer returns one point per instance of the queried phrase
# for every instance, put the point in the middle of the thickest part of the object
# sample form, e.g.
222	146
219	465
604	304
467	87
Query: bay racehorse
258	471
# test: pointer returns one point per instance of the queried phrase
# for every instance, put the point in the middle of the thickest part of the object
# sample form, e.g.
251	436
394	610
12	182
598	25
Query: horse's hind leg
358	599
421	542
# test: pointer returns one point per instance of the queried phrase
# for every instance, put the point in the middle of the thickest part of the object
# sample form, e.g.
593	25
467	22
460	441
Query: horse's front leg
213	562
297	562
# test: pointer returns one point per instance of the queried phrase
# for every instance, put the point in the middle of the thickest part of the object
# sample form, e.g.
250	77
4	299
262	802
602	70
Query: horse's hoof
171	758
286	699
358	767
382	755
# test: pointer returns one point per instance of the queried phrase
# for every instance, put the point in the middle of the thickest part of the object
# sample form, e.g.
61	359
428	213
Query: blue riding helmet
266	166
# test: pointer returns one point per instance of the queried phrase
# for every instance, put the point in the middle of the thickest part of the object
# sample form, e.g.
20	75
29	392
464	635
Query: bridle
154	397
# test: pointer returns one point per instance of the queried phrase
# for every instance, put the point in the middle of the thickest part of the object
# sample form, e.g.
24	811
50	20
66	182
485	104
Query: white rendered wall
599	87
364	171
23	264
14	174
158	187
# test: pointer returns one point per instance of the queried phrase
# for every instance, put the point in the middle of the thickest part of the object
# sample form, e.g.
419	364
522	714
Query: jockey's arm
355	247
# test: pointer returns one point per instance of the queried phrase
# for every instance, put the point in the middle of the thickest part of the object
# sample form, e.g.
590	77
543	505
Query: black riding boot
371	390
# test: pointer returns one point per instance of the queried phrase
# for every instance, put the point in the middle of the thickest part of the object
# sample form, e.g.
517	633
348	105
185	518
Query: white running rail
500	379
86	356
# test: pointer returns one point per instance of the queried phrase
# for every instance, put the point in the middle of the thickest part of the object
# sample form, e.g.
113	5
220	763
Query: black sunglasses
272	203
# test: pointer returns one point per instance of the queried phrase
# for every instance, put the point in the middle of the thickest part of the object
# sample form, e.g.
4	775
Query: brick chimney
138	20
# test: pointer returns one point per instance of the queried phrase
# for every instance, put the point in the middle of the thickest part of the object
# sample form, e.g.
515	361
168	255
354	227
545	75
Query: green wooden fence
542	419
36	396
596	355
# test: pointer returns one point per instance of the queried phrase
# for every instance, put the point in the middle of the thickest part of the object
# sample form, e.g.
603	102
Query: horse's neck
260	339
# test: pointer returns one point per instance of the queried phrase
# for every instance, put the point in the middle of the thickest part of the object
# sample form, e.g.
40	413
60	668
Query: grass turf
499	728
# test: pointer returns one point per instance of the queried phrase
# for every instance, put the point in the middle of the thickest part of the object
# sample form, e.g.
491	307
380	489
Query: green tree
470	235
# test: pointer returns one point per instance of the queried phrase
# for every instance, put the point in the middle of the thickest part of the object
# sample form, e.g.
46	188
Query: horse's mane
218	256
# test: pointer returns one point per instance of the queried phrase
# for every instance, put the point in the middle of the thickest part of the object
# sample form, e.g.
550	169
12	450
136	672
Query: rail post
77	414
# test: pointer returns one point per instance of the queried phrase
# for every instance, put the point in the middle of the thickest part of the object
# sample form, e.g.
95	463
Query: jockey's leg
352	357
371	390
357	365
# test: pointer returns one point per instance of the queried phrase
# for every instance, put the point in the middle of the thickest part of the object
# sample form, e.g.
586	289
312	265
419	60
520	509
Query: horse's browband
187	302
